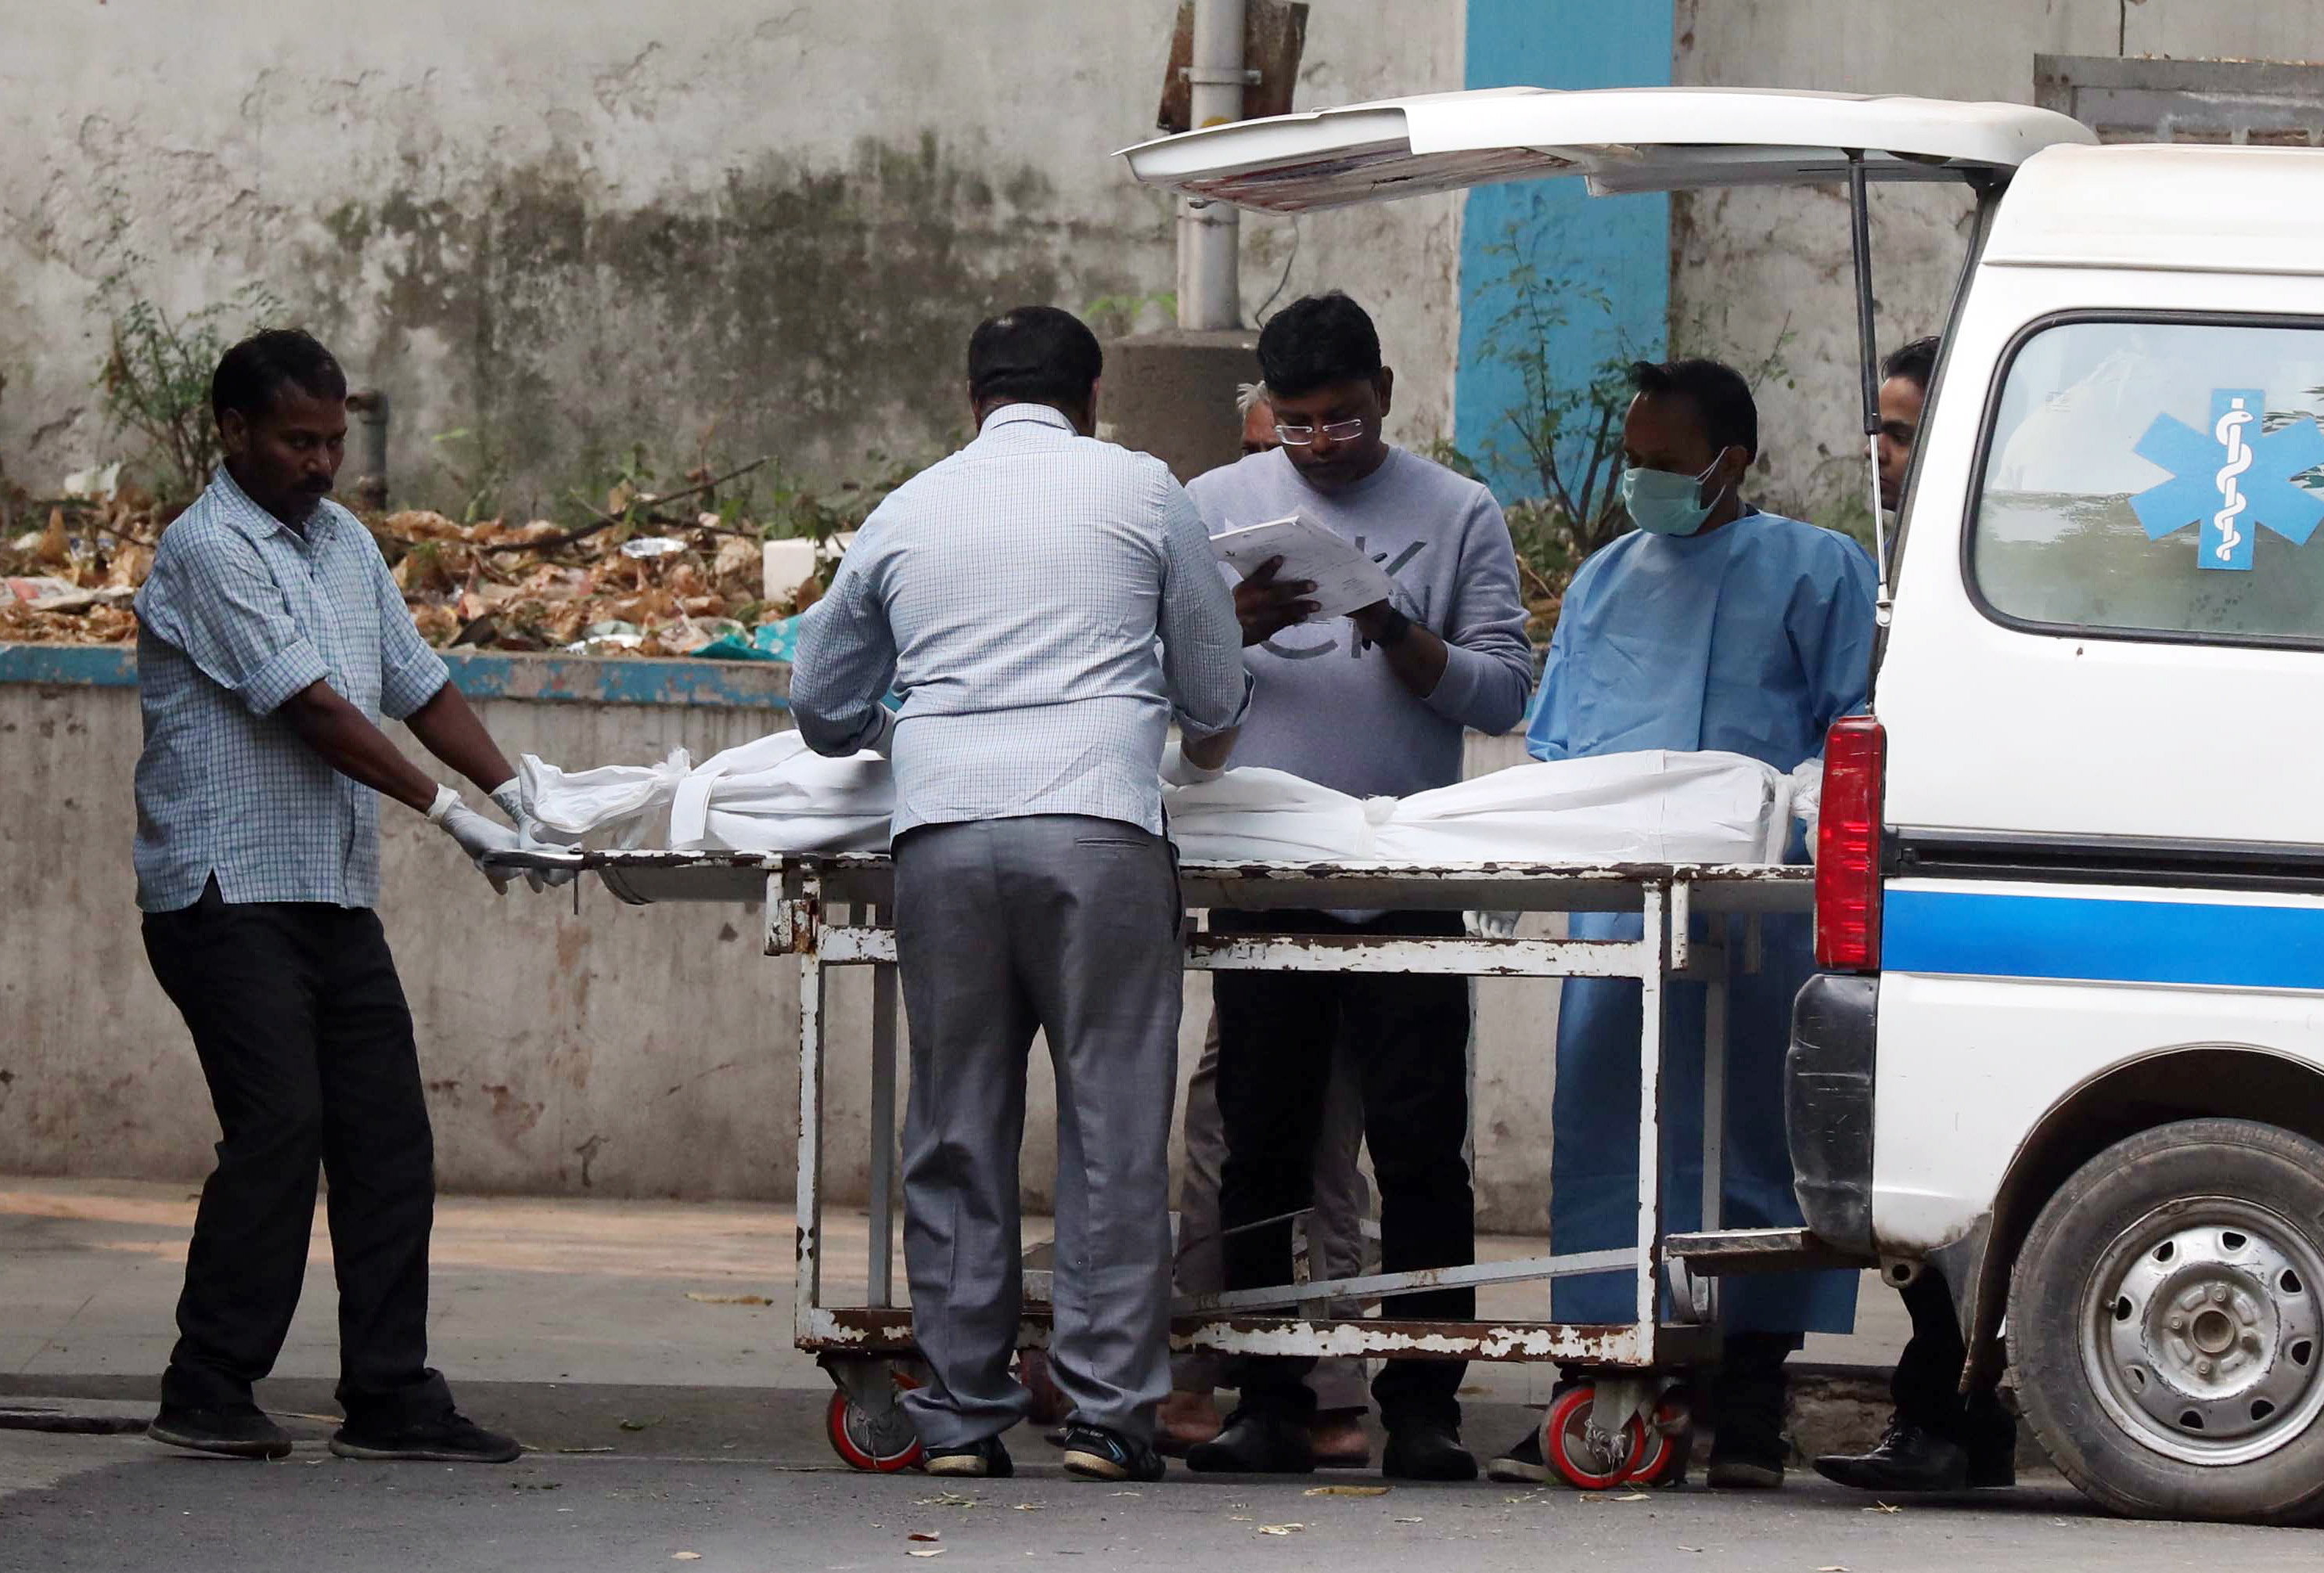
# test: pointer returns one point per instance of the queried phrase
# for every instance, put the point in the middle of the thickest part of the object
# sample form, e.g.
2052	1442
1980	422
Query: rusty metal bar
1435	958
807	1289
1529	1269
882	1270
889	1332
1650	1070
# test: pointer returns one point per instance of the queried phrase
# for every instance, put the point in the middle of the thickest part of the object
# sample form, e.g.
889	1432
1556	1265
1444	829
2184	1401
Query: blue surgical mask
1663	503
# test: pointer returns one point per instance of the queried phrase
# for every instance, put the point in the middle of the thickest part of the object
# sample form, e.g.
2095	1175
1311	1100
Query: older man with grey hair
1334	1227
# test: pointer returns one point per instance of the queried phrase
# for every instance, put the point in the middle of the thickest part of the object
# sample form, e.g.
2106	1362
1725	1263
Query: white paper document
1345	577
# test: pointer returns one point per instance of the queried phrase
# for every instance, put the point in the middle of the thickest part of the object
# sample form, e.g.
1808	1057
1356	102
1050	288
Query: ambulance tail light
1847	846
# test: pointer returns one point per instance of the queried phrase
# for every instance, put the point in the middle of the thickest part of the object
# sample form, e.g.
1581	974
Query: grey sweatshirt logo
1355	646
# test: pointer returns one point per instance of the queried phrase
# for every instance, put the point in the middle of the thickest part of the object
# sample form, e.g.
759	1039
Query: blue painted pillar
1617	247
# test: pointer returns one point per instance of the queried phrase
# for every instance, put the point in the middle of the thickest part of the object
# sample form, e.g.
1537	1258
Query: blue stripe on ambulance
2228	945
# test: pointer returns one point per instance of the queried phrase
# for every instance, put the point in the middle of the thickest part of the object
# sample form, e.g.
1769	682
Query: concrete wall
571	225
628	1051
1749	265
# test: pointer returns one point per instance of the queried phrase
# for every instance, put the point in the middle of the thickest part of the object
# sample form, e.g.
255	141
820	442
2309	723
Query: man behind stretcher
1046	604
1712	625
1374	705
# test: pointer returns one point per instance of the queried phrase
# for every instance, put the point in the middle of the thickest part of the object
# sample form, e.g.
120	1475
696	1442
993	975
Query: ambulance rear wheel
2166	1320
884	1444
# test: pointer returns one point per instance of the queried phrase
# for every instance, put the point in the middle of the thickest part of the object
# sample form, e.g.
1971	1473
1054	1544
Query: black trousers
1408	1038
1926	1384
305	1043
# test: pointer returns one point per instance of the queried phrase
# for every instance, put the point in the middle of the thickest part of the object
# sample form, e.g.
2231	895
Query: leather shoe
1255	1444
1908	1459
1426	1452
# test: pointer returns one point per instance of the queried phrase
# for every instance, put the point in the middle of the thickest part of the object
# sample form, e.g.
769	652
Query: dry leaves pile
632	582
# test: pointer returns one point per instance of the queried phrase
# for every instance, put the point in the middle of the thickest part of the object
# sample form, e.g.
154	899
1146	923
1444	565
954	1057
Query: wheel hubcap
2201	1331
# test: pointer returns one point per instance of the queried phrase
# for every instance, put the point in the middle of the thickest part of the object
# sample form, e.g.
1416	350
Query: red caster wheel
883	1446
1585	1456
1664	1456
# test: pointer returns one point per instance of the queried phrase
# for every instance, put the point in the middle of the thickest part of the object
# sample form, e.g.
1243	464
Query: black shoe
1993	1468
983	1459
242	1432
1744	1471
1749	1396
450	1438
1254	1444
1427	1452
1908	1459
1096	1453
1521	1465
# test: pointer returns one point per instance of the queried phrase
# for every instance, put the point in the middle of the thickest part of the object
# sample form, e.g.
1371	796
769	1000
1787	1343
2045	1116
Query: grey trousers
1335	1238
1068	925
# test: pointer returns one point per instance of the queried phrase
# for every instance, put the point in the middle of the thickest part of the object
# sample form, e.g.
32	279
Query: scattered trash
697	580
686	1556
1280	1528
1603	1496
727	1299
638	1425
926	1551
1882	1507
1027	1507
929	1536
532	1449
1835	1567
536	1485
1408	1520
1345	1491
947	1499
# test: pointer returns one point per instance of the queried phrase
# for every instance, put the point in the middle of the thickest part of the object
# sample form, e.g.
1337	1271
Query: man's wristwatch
1392	630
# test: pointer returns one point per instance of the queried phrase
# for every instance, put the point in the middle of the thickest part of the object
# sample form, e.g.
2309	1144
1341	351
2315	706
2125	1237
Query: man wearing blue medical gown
1712	626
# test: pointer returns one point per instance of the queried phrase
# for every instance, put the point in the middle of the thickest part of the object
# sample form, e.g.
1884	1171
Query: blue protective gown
1752	639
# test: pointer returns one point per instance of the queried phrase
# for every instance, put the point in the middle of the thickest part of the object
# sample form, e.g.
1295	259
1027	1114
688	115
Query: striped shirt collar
245	514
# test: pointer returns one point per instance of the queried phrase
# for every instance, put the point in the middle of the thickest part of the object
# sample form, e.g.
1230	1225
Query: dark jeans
305	1043
1926	1385
1408	1039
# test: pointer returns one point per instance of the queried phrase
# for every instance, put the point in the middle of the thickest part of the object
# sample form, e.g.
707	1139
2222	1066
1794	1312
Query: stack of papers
1345	577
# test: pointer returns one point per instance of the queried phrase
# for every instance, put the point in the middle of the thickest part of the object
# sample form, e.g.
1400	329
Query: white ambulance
2069	1048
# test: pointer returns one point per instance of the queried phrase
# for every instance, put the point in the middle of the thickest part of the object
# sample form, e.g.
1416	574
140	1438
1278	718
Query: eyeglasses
1337	430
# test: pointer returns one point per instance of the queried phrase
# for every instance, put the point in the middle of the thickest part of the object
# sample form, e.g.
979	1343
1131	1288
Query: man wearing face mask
1713	626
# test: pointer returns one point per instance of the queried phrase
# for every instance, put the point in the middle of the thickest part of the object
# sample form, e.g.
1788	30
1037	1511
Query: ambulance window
2158	477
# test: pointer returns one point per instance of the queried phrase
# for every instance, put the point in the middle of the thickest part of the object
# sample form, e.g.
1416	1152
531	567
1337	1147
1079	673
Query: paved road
755	1492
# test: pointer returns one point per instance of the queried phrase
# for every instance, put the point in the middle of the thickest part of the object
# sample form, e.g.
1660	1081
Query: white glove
1179	770
476	834
532	836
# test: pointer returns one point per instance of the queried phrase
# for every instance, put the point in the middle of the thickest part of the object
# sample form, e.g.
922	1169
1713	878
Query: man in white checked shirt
1045	604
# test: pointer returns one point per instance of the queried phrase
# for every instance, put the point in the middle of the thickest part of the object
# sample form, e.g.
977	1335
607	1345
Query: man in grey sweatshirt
1373	704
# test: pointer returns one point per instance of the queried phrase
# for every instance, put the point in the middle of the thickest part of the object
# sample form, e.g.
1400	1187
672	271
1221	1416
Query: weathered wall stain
805	313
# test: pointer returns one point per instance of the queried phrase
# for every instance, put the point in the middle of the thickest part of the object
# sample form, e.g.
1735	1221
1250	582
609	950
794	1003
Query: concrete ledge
750	685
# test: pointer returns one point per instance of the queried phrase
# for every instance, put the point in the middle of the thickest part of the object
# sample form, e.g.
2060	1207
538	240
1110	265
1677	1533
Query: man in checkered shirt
270	640
1046	604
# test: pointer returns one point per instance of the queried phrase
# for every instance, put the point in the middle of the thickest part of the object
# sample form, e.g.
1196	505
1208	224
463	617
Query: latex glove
1179	770
476	834
532	836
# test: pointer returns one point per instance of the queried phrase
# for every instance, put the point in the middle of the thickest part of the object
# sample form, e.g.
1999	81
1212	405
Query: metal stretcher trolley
1620	1426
